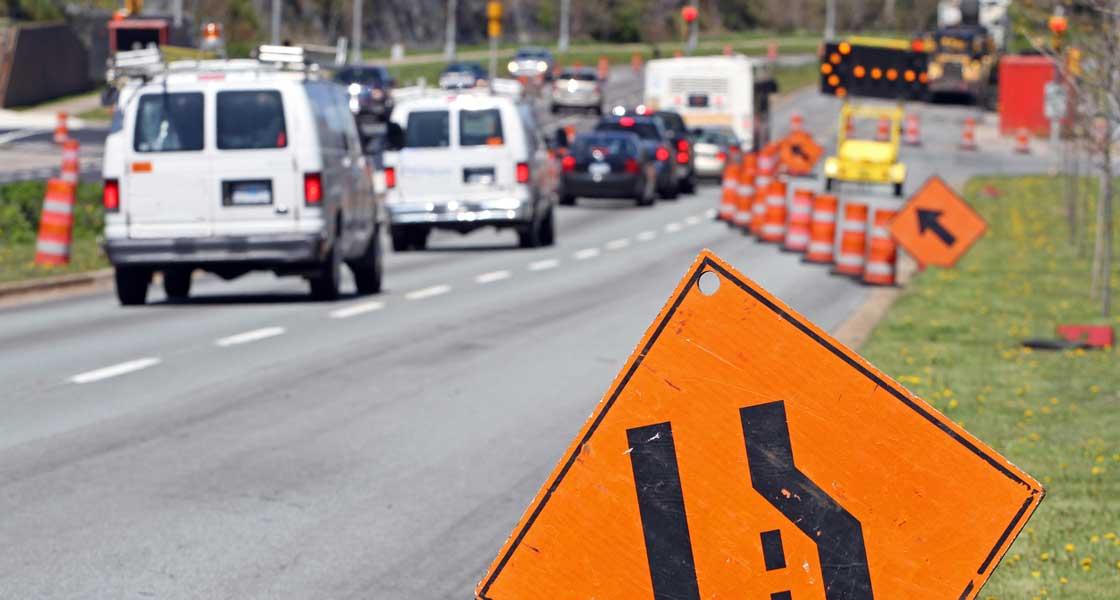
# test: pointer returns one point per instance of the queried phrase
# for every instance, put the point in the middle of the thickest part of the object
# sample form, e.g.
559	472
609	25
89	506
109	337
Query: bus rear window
169	122
251	120
480	127
427	129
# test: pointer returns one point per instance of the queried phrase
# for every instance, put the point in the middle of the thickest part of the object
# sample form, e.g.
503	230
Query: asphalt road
250	443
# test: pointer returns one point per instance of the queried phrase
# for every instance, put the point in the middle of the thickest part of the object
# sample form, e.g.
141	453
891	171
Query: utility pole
494	30
452	27
694	29
275	22
177	13
356	33
829	19
565	25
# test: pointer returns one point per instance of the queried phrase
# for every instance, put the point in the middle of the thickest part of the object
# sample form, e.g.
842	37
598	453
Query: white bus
715	91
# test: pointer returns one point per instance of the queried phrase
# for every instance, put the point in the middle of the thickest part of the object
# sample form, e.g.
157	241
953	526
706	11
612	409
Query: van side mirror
561	138
394	136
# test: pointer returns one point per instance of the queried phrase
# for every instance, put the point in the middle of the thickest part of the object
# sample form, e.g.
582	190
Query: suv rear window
428	129
169	122
673	122
251	120
608	145
480	127
645	130
579	76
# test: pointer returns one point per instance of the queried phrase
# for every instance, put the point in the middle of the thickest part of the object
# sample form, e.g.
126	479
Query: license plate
247	193
478	175
597	170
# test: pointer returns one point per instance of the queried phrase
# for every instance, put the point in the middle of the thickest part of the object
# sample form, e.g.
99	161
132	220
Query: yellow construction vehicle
873	161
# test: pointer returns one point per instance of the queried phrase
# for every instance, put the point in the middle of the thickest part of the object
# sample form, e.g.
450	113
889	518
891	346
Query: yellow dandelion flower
1070	547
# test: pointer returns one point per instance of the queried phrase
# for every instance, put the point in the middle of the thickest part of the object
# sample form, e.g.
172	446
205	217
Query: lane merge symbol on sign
937	226
744	453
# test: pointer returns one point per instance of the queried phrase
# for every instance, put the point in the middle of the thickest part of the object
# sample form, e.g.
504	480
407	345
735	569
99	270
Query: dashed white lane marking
250	336
428	292
617	244
357	309
646	236
672	227
710	213
115	370
585	254
692	221
492	276
541	265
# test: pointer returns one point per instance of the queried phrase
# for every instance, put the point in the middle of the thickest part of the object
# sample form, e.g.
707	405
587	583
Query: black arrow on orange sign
931	220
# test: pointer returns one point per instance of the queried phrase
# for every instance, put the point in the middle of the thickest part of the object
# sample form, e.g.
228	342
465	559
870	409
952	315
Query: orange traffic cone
604	68
853	240
1022	142
766	167
800	215
636	62
883	130
61	130
796	122
729	200
912	134
745	193
822	229
55	224
70	166
774	226
881	251
968	134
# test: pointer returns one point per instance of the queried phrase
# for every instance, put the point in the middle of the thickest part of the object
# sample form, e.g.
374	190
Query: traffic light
1058	25
494	18
874	68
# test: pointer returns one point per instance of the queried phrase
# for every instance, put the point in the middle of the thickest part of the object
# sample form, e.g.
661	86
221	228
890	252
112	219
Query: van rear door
254	172
165	182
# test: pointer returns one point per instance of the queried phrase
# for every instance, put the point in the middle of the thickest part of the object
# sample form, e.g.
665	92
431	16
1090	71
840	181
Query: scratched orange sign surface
743	453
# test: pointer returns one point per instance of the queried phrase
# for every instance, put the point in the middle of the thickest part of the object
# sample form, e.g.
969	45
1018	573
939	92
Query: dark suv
656	141
370	88
682	139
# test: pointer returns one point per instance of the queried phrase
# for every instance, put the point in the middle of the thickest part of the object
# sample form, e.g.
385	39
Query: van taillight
111	195
390	177
568	163
662	153
631	166
522	172
312	188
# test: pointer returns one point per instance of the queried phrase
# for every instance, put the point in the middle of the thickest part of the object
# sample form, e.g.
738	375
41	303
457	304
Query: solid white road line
617	244
249	336
492	276
692	221
672	227
585	254
541	265
646	236
428	292
357	309
115	370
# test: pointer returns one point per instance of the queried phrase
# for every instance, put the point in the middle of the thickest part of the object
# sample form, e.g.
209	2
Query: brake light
631	166
312	188
626	122
568	163
390	177
721	156
111	195
682	145
662	153
682	157
522	172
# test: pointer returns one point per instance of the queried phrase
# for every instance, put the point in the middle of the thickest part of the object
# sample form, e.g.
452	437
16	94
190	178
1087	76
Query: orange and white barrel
883	129
746	192
766	169
729	198
912	131
773	228
968	134
1022	142
796	122
70	165
61	128
56	224
882	252
822	230
853	240
800	215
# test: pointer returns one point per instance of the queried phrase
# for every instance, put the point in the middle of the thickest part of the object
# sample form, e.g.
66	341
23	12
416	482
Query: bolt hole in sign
742	453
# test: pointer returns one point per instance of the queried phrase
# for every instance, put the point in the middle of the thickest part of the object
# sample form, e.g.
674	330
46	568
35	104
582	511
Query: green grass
20	205
101	113
954	339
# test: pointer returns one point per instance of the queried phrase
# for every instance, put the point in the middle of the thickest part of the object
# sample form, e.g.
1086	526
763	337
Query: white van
468	160
233	166
730	92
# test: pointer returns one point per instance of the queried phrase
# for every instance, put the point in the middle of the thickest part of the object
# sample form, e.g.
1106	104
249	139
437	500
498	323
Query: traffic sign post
800	153
937	226
494	31
744	453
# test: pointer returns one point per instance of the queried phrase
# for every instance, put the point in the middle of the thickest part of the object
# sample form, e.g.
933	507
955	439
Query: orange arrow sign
744	453
937	226
800	153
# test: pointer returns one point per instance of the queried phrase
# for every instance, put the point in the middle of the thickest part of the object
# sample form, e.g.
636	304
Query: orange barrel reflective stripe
883	131
765	172
70	166
1022	142
800	214
881	251
912	134
822	230
745	192
55	224
968	134
729	200
853	240
774	227
61	130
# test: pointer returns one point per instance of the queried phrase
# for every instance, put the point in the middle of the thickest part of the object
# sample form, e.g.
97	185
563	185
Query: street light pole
275	22
694	30
356	33
565	25
829	19
451	32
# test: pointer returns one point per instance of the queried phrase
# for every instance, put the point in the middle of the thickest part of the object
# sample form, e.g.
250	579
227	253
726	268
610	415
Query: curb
55	283
855	330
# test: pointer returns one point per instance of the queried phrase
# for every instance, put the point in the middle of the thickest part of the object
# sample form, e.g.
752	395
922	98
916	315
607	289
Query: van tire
548	229
409	237
132	285
177	283
367	268
324	285
670	192
567	200
688	186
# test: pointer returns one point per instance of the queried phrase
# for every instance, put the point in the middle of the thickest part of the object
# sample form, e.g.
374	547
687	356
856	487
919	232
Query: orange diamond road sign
800	153
743	453
937	226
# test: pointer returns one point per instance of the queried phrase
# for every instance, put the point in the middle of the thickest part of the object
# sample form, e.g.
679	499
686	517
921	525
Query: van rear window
428	129
480	127
169	122
251	120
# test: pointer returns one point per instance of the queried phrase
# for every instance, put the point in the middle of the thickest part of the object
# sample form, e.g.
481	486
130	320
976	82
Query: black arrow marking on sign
837	534
931	219
796	149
